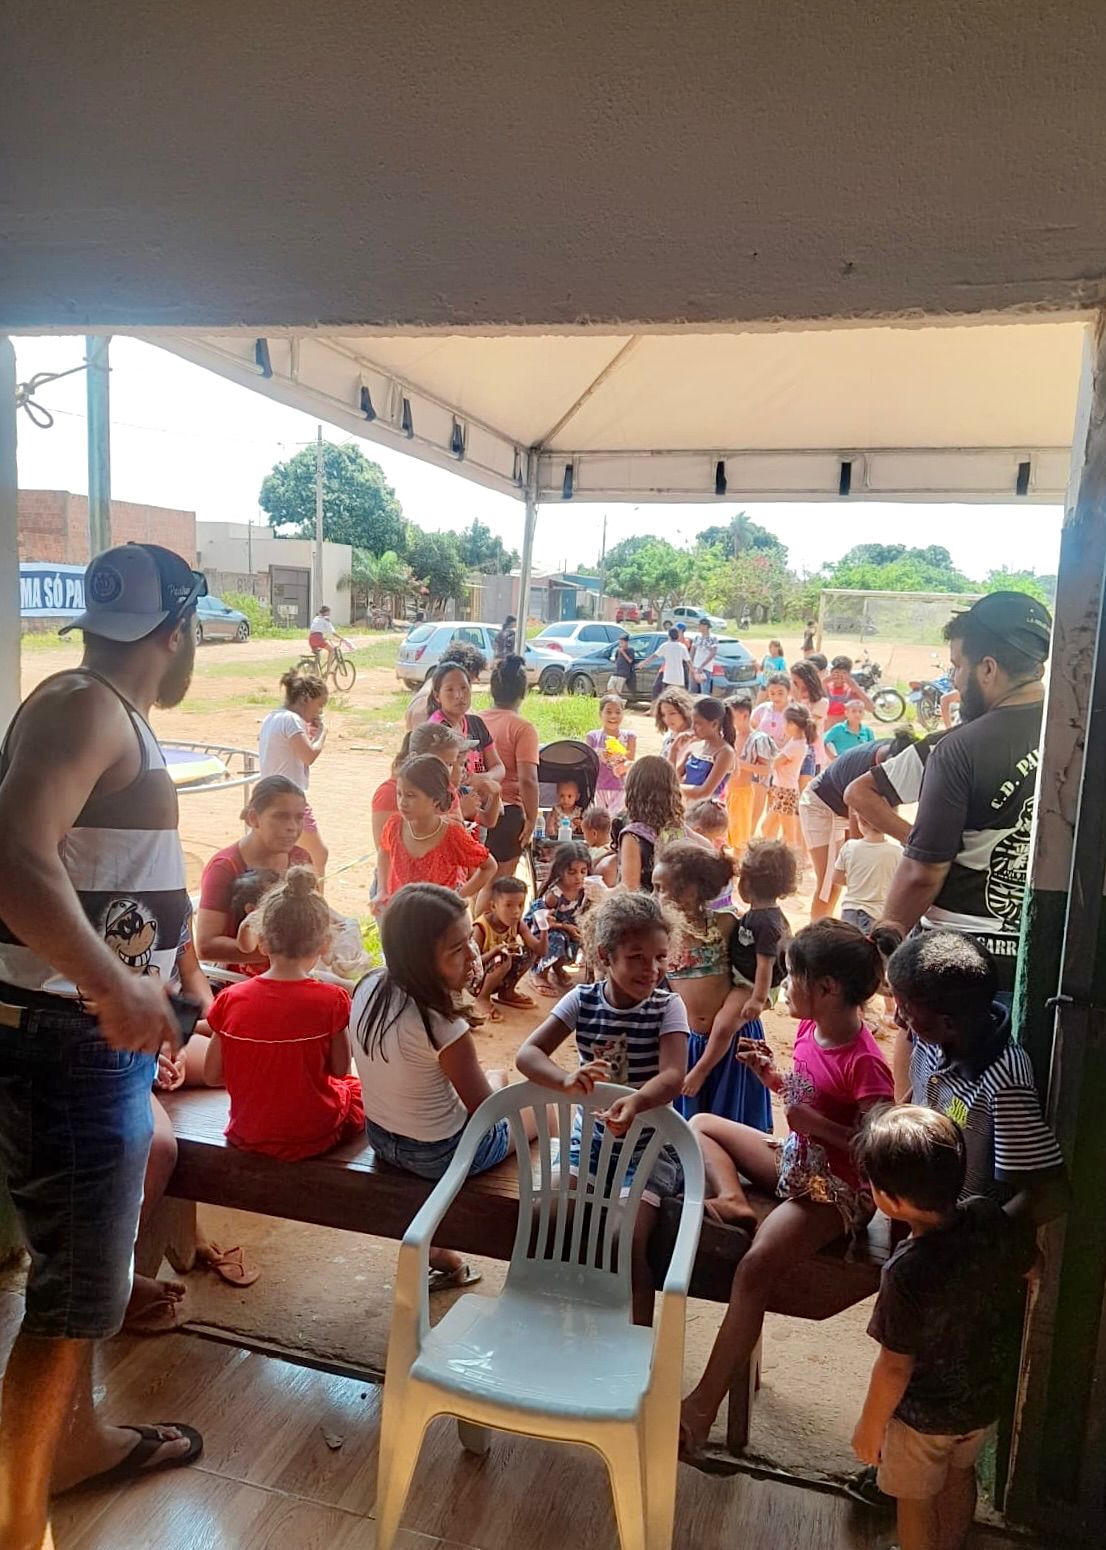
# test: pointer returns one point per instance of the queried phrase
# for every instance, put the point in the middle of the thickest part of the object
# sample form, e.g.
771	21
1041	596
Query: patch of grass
567	715
48	640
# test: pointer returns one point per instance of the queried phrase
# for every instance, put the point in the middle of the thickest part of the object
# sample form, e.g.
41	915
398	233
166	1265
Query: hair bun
300	882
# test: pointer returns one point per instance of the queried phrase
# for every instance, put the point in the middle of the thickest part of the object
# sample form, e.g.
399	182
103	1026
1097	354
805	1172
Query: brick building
53	526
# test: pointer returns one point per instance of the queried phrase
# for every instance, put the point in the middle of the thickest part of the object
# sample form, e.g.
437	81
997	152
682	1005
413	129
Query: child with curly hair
629	1029
716	1082
654	813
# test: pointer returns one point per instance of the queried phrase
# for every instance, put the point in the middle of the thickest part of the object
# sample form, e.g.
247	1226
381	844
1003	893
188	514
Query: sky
184	437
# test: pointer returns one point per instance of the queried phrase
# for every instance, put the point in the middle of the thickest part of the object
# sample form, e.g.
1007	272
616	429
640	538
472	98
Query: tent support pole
1058	1447
10	627
529	526
99	444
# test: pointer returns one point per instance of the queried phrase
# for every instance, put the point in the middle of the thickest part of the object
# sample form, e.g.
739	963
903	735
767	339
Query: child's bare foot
731	1211
695	1425
154	1307
487	1011
514	998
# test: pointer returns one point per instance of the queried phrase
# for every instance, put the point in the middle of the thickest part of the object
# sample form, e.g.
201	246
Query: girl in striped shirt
628	1030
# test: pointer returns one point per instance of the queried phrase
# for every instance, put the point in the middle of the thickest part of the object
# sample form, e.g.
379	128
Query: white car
578	637
426	644
691	617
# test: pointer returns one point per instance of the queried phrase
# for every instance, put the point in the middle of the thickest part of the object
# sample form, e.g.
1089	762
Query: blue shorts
75	1129
431	1159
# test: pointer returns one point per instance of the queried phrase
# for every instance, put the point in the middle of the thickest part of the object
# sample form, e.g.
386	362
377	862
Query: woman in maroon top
274	820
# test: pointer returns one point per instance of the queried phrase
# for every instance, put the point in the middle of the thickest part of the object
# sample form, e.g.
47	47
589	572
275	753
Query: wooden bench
348	1188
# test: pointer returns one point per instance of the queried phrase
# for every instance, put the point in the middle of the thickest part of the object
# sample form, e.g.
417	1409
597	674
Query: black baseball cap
133	589
1013	617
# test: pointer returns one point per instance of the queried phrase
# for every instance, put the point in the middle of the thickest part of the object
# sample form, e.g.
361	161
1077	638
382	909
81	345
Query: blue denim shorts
75	1129
430	1159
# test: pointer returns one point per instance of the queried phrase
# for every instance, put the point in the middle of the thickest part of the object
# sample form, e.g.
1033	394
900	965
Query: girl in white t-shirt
414	1050
289	742
781	821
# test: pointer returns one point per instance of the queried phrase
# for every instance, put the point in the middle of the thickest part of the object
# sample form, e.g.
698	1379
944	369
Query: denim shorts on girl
431	1159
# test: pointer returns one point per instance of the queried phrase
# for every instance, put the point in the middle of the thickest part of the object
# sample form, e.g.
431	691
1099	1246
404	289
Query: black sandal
135	1463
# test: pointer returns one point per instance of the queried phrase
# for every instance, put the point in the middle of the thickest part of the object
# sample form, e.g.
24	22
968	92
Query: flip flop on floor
229	1264
452	1280
137	1463
160	1317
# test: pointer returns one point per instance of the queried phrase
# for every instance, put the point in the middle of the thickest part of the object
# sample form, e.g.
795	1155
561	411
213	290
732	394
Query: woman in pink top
839	1074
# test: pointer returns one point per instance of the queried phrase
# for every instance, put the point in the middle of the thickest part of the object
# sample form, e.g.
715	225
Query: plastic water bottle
564	830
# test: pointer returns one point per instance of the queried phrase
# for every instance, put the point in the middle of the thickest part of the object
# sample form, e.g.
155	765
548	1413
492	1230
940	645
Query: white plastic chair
555	1355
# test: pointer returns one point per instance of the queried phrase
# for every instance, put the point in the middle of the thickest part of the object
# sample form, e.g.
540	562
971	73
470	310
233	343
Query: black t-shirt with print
952	1299
975	811
830	785
759	933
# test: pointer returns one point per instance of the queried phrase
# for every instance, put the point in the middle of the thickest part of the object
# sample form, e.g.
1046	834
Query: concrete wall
232	547
638	161
53	525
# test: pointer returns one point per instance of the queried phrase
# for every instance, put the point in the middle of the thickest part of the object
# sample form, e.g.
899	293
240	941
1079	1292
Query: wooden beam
1058	1462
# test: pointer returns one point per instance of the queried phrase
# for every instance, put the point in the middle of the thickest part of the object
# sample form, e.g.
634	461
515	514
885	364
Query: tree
359	505
620	556
436	560
384	580
895	568
756	582
481	550
1043	588
655	571
740	535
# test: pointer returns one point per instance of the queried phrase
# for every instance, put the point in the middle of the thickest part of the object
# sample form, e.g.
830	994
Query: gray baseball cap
131	590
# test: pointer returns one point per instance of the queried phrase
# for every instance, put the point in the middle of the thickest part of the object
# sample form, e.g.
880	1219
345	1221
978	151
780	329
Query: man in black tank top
93	868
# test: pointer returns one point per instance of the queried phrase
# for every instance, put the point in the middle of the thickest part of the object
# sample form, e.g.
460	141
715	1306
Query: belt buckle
11	1016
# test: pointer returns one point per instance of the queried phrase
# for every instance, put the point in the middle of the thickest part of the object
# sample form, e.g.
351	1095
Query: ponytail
834	950
800	717
708	709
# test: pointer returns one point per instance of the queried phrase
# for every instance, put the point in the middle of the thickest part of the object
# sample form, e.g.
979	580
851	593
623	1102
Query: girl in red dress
280	1042
422	844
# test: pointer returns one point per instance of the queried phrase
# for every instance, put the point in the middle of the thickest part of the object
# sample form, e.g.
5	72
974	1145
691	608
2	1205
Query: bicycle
340	669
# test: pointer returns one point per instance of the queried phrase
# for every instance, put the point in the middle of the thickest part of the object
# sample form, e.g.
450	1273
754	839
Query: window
421	632
558	631
614	631
473	637
594	632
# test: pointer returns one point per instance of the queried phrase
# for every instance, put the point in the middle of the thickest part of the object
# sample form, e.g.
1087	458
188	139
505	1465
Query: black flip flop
134	1465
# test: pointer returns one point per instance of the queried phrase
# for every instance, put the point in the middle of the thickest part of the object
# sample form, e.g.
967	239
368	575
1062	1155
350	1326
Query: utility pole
99	444
317	580
602	568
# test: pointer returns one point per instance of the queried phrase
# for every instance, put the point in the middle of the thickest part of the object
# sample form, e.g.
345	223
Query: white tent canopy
960	411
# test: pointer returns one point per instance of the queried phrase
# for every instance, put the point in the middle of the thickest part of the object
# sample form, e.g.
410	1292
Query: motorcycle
887	703
926	696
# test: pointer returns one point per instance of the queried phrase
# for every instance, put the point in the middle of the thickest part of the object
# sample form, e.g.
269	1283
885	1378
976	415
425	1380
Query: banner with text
50	591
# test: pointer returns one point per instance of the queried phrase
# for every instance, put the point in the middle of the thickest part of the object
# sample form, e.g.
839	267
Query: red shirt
223	871
217	884
276	1036
452	862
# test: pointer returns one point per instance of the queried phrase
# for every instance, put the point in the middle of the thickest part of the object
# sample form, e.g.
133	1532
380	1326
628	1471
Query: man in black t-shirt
965	860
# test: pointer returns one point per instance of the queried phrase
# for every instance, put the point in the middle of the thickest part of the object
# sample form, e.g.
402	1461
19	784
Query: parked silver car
425	645
215	621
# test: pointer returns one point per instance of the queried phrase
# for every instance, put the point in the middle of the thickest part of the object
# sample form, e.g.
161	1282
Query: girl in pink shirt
839	1074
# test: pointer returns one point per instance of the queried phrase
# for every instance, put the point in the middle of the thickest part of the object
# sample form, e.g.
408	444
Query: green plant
259	614
370	940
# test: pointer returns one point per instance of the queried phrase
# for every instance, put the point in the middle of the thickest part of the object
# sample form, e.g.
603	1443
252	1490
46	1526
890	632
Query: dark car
733	668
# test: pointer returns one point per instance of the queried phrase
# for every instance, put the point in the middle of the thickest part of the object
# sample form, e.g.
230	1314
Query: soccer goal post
871	619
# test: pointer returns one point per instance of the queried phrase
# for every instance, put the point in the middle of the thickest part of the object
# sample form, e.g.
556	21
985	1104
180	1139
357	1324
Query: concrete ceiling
632	164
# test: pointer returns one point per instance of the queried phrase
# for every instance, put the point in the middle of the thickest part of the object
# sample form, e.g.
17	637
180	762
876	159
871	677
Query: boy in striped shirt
964	1062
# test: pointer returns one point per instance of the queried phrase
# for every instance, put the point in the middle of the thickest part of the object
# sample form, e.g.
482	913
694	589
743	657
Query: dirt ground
813	1378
